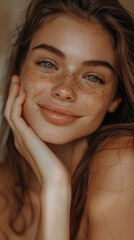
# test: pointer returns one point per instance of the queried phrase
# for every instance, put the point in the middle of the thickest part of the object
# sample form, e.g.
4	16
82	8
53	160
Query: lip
58	115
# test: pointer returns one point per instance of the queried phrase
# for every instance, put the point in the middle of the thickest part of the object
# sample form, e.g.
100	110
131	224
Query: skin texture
65	84
65	78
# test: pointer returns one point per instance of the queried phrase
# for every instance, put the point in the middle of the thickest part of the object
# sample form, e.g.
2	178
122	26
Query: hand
45	164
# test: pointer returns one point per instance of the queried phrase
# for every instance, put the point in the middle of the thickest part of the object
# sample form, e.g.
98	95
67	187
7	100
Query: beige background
11	13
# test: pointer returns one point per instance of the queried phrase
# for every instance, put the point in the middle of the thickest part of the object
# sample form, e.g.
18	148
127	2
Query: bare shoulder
113	165
110	197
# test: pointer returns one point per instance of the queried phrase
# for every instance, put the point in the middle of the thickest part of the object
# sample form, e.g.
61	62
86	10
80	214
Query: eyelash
42	63
96	77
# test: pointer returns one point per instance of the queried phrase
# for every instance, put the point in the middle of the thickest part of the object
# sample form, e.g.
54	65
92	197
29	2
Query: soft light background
11	13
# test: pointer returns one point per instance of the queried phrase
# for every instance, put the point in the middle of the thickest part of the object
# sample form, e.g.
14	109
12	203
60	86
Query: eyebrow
50	49
62	55
100	63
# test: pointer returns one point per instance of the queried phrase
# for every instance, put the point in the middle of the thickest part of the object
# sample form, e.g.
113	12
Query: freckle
80	87
67	77
51	79
104	94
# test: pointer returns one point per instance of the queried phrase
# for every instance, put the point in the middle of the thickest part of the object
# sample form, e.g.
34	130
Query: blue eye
93	78
47	64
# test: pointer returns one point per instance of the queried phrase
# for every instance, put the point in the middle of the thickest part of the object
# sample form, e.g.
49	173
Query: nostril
57	94
63	93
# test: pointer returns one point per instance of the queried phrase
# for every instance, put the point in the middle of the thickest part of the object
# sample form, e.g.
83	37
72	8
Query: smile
58	115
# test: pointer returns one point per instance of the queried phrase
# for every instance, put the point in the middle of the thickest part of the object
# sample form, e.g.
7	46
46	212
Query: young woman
67	135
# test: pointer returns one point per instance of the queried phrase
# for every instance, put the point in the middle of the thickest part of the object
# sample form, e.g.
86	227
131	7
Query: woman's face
69	78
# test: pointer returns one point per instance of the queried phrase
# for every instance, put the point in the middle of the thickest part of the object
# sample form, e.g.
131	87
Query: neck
63	152
71	153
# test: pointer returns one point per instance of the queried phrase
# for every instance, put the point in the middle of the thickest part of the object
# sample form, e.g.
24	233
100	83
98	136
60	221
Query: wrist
57	181
60	193
56	188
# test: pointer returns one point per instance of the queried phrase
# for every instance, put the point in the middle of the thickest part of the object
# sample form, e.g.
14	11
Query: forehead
73	35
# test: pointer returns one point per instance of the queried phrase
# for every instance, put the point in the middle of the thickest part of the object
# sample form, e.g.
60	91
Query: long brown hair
113	17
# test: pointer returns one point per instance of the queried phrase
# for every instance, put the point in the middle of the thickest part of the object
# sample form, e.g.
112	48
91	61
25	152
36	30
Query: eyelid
100	77
48	60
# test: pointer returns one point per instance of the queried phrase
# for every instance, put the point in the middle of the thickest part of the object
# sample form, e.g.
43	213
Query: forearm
54	220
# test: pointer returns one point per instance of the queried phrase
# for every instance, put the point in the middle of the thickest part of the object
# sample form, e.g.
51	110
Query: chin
53	138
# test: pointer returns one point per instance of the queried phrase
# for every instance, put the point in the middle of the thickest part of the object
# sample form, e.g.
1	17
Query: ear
114	104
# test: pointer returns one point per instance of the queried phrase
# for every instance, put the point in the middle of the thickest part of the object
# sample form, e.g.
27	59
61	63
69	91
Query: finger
14	90
14	79
16	114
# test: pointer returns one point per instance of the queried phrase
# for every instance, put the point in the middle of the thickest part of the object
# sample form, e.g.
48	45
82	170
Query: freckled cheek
96	102
34	83
99	92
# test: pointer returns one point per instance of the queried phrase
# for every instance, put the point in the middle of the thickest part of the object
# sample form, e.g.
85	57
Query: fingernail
14	79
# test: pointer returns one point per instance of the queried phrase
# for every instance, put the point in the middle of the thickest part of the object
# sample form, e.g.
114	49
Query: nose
64	92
